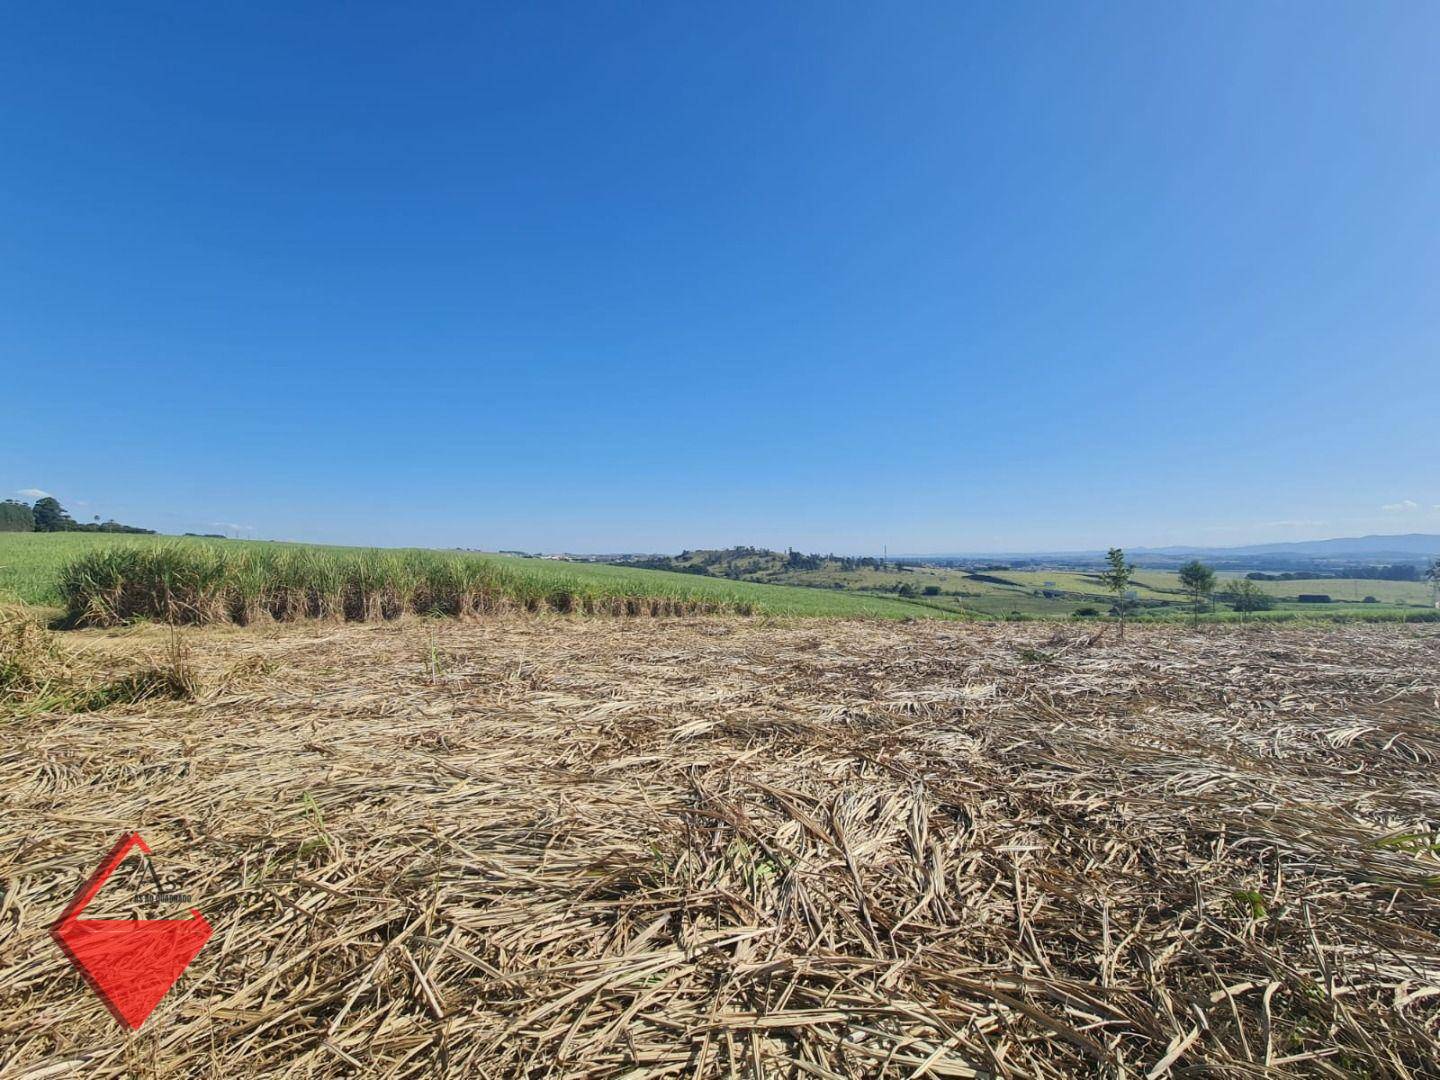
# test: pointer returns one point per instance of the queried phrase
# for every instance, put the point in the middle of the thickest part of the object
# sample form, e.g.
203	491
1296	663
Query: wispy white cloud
230	526
33	493
1404	506
1292	524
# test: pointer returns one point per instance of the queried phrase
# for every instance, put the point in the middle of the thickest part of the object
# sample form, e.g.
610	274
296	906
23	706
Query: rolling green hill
1058	592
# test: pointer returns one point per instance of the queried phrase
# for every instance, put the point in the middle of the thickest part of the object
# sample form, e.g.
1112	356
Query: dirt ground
610	848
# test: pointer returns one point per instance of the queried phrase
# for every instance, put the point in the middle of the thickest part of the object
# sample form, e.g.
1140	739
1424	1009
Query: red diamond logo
130	963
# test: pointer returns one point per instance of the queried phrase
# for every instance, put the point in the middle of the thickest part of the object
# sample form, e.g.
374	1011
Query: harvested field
543	846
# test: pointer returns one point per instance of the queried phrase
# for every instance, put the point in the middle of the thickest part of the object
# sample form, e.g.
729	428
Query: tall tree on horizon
50	516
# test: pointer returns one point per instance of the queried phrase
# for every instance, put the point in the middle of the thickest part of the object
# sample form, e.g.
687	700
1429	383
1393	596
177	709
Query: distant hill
750	563
1402	545
1408	547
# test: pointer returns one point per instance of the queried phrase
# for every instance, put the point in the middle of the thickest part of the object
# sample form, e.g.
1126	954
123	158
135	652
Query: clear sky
601	277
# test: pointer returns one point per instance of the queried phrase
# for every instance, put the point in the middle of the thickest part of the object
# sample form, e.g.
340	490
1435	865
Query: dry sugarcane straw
542	846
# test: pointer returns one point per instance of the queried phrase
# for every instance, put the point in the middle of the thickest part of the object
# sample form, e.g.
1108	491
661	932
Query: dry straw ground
550	846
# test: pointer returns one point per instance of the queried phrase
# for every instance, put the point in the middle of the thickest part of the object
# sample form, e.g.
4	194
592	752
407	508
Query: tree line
1392	572
47	515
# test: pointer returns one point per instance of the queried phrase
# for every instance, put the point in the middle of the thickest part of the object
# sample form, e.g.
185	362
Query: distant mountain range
1406	547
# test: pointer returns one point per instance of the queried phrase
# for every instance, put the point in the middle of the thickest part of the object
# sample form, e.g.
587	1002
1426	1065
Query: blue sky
602	277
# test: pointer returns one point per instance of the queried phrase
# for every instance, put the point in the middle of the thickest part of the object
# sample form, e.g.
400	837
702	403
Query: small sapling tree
1199	581
1246	596
1116	579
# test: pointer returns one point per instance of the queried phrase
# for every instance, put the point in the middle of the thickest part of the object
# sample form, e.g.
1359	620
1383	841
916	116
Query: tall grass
286	575
197	583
